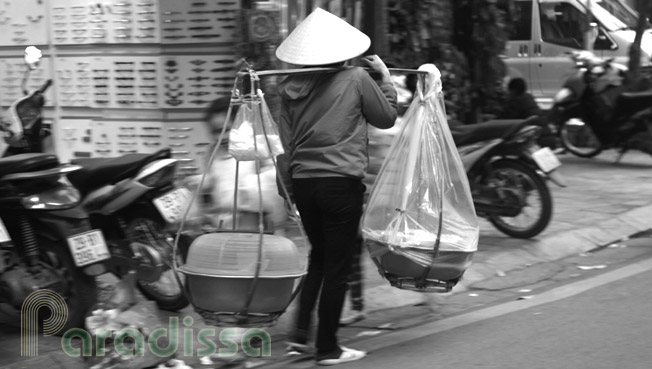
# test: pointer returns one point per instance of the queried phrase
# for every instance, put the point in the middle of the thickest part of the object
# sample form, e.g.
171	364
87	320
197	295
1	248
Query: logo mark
29	319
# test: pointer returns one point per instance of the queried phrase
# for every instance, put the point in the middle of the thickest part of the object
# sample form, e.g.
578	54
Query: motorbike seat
98	172
27	163
629	103
500	128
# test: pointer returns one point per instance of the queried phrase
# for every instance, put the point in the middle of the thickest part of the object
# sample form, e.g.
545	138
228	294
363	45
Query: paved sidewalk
602	203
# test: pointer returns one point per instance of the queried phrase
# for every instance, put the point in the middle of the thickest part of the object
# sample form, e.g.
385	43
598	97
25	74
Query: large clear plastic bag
254	135
421	204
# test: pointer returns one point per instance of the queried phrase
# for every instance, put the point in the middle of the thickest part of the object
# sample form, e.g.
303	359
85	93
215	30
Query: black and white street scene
289	184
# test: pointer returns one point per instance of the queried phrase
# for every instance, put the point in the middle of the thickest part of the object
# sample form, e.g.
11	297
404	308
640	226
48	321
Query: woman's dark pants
330	209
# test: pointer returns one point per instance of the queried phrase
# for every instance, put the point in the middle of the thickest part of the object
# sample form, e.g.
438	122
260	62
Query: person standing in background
323	128
520	104
215	205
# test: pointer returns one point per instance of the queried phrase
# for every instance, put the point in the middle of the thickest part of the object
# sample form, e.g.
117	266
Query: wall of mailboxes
129	75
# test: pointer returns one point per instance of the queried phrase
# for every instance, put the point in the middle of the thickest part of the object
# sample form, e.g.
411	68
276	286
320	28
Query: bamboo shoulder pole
285	72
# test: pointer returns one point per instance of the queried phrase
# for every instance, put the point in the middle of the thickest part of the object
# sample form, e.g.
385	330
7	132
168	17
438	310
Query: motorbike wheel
78	289
517	179
578	138
167	292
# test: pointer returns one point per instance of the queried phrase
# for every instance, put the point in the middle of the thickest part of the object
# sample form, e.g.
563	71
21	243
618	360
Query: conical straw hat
322	38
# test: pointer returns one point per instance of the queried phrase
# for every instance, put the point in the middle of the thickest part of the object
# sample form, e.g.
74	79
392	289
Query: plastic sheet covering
421	204
253	128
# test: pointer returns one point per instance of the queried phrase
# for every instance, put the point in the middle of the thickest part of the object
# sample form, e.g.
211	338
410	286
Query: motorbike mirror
32	57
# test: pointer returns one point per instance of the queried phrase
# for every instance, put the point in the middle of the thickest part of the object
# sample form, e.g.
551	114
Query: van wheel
578	138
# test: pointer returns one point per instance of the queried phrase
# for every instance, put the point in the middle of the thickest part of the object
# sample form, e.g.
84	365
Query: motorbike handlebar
45	86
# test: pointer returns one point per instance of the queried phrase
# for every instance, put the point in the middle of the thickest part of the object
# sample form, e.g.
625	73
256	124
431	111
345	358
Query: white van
546	30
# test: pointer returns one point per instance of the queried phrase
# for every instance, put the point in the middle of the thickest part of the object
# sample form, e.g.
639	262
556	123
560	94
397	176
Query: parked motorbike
593	112
507	172
24	125
134	197
46	239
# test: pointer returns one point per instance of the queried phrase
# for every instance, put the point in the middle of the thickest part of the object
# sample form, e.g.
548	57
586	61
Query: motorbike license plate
173	204
4	235
88	248
546	159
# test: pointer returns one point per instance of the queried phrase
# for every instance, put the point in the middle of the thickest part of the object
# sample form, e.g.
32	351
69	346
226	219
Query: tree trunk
634	73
